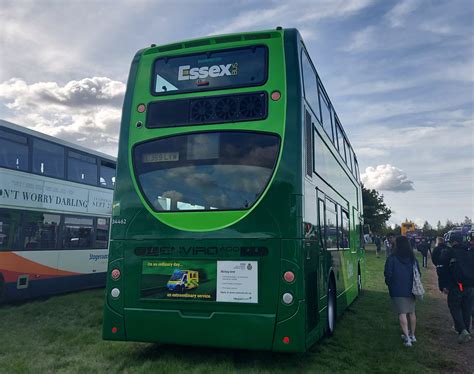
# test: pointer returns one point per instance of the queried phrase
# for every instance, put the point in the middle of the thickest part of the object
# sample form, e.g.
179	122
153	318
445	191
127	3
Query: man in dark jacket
444	277
460	298
424	248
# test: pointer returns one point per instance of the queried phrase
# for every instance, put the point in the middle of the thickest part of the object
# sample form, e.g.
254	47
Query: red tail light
286	340
289	276
276	95
115	274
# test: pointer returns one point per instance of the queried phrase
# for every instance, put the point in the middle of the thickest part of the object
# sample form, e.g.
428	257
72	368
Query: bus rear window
226	170
231	68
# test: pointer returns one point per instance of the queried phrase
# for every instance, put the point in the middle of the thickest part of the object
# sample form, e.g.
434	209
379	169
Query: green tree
376	213
449	225
439	226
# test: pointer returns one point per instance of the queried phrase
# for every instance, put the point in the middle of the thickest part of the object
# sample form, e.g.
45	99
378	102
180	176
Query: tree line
377	214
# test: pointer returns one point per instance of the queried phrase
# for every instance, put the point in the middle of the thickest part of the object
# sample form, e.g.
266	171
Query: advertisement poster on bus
221	281
180	279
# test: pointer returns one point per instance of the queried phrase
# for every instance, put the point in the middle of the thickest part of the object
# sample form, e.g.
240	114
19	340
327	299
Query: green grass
63	335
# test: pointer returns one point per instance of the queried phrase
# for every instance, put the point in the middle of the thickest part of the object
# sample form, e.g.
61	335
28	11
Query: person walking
424	248
460	296
378	245
398	272
442	270
389	242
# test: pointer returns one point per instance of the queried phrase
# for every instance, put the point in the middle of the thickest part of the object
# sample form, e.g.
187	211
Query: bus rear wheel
359	283
331	308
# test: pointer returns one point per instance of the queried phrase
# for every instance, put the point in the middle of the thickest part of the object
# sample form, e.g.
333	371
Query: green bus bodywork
279	232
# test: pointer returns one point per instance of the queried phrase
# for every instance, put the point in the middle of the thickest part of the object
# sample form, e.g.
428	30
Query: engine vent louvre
201	111
251	107
226	108
208	110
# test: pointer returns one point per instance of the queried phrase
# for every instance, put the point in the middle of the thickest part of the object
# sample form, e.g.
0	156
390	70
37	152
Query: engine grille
208	110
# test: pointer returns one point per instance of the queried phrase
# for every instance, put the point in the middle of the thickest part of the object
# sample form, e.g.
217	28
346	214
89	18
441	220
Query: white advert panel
38	192
237	281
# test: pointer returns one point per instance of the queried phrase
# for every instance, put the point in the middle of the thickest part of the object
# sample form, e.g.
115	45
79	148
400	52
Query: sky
400	75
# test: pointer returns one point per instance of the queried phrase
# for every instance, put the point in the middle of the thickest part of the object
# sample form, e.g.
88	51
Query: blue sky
399	73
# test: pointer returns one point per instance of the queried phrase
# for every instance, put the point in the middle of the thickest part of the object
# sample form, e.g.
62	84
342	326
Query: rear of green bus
206	233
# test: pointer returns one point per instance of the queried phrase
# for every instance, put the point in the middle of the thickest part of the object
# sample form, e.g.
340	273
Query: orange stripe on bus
12	262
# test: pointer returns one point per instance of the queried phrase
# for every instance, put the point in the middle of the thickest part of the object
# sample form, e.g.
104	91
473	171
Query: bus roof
25	130
214	40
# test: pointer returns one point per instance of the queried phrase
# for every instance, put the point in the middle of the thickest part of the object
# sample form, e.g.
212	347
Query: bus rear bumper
216	329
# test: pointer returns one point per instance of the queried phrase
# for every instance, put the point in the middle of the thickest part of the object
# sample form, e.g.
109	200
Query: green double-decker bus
237	209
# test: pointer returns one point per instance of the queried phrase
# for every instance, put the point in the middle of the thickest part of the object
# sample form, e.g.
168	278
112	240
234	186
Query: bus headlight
115	293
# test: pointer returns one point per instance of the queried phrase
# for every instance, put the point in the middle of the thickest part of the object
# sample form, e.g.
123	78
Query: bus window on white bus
9	229
81	168
39	230
48	159
107	174
102	233
78	232
13	150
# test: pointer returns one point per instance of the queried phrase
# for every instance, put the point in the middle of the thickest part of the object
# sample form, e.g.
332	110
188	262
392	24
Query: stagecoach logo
94	257
185	72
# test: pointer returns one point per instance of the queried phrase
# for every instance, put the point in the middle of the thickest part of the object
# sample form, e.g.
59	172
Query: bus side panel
52	286
30	274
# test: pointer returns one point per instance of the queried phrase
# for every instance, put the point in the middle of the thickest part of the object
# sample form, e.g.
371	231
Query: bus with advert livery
233	165
55	209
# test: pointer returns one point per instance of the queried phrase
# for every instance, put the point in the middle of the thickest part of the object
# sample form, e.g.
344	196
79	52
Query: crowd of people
455	272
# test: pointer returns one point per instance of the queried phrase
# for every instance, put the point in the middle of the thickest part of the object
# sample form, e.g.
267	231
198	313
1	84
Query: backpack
462	266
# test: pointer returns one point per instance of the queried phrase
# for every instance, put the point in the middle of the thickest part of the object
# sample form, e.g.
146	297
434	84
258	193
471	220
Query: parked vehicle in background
407	227
55	208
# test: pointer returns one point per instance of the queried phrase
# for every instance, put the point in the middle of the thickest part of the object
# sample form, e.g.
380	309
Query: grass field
63	335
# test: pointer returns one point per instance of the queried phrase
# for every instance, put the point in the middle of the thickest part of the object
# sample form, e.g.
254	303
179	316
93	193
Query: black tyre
359	282
331	308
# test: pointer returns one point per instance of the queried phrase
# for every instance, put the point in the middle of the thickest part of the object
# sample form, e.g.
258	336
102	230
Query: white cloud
87	91
86	111
436	27
370	152
400	12
386	178
362	40
302	14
